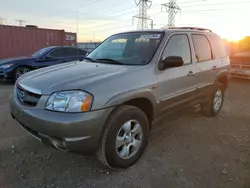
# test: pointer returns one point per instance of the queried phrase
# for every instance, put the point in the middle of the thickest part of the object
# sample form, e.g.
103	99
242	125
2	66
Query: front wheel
125	138
20	71
214	104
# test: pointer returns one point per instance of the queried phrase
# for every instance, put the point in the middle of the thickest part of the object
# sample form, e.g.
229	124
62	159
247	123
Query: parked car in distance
12	68
240	65
108	104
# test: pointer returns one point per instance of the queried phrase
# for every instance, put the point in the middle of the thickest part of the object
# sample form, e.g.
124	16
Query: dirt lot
189	151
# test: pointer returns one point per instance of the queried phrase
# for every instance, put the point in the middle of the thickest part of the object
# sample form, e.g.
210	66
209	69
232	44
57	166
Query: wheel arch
142	99
223	78
19	66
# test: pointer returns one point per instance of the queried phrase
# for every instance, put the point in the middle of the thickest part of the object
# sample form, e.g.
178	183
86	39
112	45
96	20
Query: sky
97	19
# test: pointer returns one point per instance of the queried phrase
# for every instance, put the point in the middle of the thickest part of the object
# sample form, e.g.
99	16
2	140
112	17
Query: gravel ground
184	152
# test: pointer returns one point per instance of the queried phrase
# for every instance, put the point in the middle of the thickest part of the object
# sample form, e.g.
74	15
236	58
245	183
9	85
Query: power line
195	11
84	13
195	1
216	4
119	11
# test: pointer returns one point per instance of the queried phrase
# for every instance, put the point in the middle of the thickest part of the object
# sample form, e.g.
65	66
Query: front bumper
1	73
5	74
240	73
78	132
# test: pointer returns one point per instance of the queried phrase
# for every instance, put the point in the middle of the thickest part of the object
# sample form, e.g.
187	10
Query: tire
109	152
19	71
209	108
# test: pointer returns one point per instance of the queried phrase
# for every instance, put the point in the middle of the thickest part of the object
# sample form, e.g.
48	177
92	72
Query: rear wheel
214	104
20	71
125	138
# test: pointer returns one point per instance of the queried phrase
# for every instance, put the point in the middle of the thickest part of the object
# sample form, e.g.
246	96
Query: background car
12	68
240	65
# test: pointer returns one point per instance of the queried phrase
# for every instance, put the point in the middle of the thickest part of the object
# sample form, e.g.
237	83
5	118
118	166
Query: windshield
128	49
40	52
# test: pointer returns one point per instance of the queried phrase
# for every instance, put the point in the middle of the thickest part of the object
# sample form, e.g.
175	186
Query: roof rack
192	28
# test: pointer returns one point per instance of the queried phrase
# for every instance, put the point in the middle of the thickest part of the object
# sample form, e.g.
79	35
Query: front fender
9	72
223	76
130	95
223	73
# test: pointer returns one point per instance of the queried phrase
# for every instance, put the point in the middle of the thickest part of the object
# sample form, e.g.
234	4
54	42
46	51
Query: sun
233	37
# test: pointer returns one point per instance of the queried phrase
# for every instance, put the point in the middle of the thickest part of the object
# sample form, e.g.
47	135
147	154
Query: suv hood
70	76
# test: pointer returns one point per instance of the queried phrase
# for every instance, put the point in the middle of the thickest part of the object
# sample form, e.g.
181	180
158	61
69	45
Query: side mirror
171	61
49	56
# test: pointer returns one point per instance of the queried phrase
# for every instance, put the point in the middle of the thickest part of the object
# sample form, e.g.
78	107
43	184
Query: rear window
218	47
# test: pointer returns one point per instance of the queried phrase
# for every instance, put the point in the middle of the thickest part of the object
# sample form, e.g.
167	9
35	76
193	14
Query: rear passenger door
205	60
177	85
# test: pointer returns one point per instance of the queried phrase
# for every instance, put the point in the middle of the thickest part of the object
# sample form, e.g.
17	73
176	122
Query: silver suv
108	103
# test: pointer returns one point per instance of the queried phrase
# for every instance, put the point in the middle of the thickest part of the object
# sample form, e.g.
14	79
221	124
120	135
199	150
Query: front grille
26	97
240	66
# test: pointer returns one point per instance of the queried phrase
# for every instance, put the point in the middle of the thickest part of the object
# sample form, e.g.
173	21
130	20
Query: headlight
69	101
6	66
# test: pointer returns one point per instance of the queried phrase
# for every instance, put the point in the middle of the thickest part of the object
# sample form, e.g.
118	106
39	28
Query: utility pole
20	22
142	17
94	36
2	20
172	8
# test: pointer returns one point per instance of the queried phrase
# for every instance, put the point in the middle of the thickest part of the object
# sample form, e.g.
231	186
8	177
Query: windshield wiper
110	61
90	59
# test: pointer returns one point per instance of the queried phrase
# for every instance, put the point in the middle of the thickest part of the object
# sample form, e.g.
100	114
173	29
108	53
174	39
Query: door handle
190	73
214	67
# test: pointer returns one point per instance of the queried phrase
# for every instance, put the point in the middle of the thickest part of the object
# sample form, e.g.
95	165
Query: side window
73	52
57	52
178	45
70	52
202	48
218	47
82	52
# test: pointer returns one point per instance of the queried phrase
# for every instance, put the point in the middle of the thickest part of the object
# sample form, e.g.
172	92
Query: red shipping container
24	41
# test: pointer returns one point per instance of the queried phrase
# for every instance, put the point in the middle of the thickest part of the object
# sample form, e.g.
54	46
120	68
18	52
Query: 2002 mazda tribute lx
107	103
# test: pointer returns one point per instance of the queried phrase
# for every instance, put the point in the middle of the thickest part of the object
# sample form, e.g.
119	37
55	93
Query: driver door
52	58
177	85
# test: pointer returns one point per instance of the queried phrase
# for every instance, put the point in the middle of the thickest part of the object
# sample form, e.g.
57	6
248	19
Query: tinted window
73	52
202	48
59	52
70	52
41	52
82	52
218	47
178	45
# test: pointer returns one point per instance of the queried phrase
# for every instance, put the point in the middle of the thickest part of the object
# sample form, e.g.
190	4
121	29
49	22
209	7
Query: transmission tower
142	17
20	22
172	8
2	20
